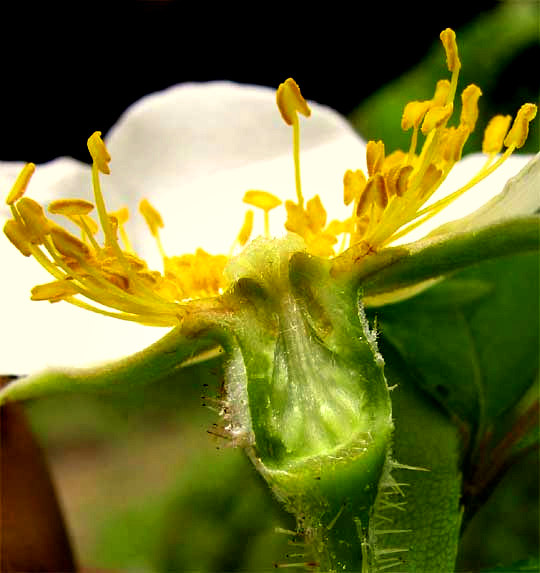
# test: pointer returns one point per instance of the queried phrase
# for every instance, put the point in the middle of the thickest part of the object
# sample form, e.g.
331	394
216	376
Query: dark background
71	69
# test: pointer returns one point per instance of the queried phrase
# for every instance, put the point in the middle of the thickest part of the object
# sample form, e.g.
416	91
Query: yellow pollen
442	91
291	102
16	233
448	38
261	199
99	152
36	224
414	113
469	110
21	183
520	129
69	245
246	230
151	216
70	207
353	185
436	117
495	132
54	291
265	201
374	156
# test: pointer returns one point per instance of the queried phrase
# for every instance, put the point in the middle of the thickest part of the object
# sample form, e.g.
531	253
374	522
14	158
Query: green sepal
175	350
397	273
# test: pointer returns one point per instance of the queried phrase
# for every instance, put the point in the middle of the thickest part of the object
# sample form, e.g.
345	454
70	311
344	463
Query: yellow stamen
36	224
354	183
469	110
69	245
122	217
316	214
442	92
99	152
520	129
70	207
414	113
265	201
436	117
54	291
246	230
290	102
21	183
151	216
154	221
374	156
16	233
495	132
448	39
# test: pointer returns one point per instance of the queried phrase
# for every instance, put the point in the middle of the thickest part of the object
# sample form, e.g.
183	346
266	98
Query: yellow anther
290	102
354	183
316	214
374	194
442	89
374	156
53	291
436	117
70	207
261	199
246	230
448	39
398	179
431	178
520	129
469	110
36	224
21	183
121	215
69	245
16	233
454	142
99	153
152	217
297	221
414	113
495	132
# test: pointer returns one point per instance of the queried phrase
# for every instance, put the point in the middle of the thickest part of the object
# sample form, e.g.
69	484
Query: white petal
193	150
472	199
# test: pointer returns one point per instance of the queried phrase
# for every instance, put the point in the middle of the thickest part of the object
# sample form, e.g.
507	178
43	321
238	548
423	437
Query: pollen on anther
151	215
99	152
520	129
290	101
70	207
448	39
495	132
21	183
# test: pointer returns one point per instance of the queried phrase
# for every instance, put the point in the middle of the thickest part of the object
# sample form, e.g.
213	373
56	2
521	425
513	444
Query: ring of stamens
385	205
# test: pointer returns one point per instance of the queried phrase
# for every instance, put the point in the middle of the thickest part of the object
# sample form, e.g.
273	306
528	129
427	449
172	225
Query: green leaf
475	356
428	522
532	565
